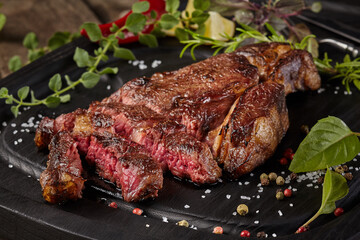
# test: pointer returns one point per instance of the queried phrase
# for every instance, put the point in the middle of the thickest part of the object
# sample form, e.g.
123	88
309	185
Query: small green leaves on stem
55	83
93	31
168	21
23	93
330	142
30	41
82	58
334	188
149	40
172	6
14	63
135	22
202	5
124	53
90	79
140	7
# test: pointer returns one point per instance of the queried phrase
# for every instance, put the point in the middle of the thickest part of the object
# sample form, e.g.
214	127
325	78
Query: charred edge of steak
128	165
49	127
257	126
62	180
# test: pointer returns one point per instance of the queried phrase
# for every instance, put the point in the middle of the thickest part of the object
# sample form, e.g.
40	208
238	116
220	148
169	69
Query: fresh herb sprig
2	19
31	42
135	23
329	143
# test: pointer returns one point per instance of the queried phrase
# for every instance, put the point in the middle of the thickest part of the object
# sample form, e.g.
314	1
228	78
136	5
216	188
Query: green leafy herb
93	31
135	22
30	41
149	40
168	21
172	6
330	142
140	7
14	63
334	188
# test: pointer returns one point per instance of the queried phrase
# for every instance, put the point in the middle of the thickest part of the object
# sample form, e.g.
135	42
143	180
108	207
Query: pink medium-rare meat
62	180
169	144
255	128
128	165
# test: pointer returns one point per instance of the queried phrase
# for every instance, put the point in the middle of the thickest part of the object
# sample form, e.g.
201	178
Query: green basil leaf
93	31
81	57
201	4
124	53
2	21
157	31
172	5
109	70
335	188
15	110
149	40
30	41
65	98
59	39
199	17
330	142
4	92
316	7
14	63
55	82
52	101
90	79
23	92
135	22
140	7
168	21
181	34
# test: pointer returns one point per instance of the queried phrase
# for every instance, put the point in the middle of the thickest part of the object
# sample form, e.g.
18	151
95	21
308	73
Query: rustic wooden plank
42	17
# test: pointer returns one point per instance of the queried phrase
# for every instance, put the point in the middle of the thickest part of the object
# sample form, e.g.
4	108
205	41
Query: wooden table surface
45	17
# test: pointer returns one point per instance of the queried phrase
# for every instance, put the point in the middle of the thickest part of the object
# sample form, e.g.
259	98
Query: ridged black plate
25	215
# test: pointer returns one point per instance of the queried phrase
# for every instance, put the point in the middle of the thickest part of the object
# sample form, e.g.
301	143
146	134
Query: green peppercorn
279	195
265	182
183	223
272	176
242	209
264	176
280	180
339	169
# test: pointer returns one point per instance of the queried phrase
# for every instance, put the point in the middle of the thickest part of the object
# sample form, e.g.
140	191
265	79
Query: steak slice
62	178
128	165
256	127
166	140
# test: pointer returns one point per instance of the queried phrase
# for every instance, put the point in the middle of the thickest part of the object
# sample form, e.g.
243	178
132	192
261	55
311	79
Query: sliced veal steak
256	127
169	144
62	180
128	165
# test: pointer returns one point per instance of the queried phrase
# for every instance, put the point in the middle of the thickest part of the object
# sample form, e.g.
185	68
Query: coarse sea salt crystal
10	166
234	213
186	206
147	225
13	125
256	221
257	211
274	235
20	140
309	185
15	132
246	183
4	124
245	197
202	196
15	143
294	189
251	174
165	219
228	196
291	205
207	191
108	87
240	183
280	213
316	186
258	196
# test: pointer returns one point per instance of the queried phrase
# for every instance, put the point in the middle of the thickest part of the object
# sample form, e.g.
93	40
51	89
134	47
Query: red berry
287	192
283	161
292	156
218	230
245	233
137	211
301	229
287	153
113	205
338	211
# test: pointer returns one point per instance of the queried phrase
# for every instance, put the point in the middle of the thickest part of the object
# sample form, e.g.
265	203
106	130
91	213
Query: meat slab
228	110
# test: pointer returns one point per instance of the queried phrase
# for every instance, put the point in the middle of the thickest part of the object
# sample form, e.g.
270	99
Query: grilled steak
128	165
62	178
256	126
229	107
169	144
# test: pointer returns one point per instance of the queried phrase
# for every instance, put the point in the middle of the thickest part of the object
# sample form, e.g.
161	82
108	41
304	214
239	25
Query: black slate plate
25	215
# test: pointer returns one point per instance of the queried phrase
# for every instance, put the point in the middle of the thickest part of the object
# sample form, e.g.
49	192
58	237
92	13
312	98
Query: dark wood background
45	17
